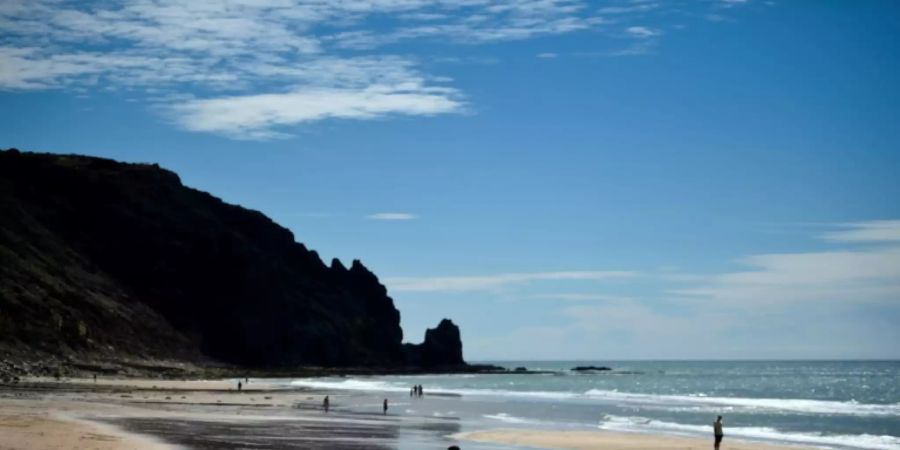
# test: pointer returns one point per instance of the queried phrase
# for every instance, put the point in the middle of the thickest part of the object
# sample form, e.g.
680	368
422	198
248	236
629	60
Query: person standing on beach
325	403
384	407
717	431
239	386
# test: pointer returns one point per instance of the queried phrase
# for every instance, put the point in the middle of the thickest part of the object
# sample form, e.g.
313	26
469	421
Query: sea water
829	404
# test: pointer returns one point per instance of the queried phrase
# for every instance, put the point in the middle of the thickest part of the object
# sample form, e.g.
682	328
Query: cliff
104	258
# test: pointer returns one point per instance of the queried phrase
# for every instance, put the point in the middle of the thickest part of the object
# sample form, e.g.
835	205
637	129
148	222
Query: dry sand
603	440
26	425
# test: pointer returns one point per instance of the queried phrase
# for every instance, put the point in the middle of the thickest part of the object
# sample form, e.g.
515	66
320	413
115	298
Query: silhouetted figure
413	391
384	407
239	386
326	404
95	378
717	432
420	391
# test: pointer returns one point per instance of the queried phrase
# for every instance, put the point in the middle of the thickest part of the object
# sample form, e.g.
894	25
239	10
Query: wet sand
604	440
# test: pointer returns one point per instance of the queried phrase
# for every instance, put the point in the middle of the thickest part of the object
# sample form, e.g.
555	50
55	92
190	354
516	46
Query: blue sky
565	179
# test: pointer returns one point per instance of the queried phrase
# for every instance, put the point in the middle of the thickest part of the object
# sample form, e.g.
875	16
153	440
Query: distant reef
108	261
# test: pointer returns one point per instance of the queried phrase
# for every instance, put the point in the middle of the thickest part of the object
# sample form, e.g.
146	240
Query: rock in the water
591	369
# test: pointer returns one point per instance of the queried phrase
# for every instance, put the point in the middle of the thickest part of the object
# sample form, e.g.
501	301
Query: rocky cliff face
108	258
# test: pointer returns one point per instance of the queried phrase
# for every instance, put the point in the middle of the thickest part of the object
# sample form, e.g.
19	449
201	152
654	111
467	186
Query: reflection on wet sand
338	431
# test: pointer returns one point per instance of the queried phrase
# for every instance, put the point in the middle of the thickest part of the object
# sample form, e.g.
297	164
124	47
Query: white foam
750	404
355	384
351	384
504	417
698	402
549	395
643	424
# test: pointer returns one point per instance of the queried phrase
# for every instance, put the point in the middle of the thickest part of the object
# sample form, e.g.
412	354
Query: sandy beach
604	440
41	413
24	428
32	418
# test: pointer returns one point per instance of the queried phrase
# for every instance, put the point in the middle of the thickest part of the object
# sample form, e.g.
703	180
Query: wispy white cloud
614	328
642	32
869	274
209	64
815	304
860	232
257	116
835	303
641	40
489	282
486	22
730	3
392	216
628	8
547	55
254	69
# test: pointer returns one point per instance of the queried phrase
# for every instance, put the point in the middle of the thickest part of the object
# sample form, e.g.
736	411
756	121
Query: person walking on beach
325	404
717	431
384	407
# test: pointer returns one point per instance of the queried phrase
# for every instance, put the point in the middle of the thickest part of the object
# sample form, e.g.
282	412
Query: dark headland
120	268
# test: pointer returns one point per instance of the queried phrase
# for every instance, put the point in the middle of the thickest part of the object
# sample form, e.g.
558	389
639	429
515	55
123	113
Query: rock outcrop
591	369
442	347
105	258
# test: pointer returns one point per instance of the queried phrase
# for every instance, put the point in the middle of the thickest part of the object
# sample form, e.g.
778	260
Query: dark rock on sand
102	260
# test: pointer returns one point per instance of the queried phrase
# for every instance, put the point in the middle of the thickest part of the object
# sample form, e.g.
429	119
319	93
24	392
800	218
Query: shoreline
607	440
155	414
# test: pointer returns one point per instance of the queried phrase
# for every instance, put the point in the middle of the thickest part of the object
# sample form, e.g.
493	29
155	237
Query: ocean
828	404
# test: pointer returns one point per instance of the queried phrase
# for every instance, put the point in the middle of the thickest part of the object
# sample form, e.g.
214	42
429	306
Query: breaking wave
646	425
